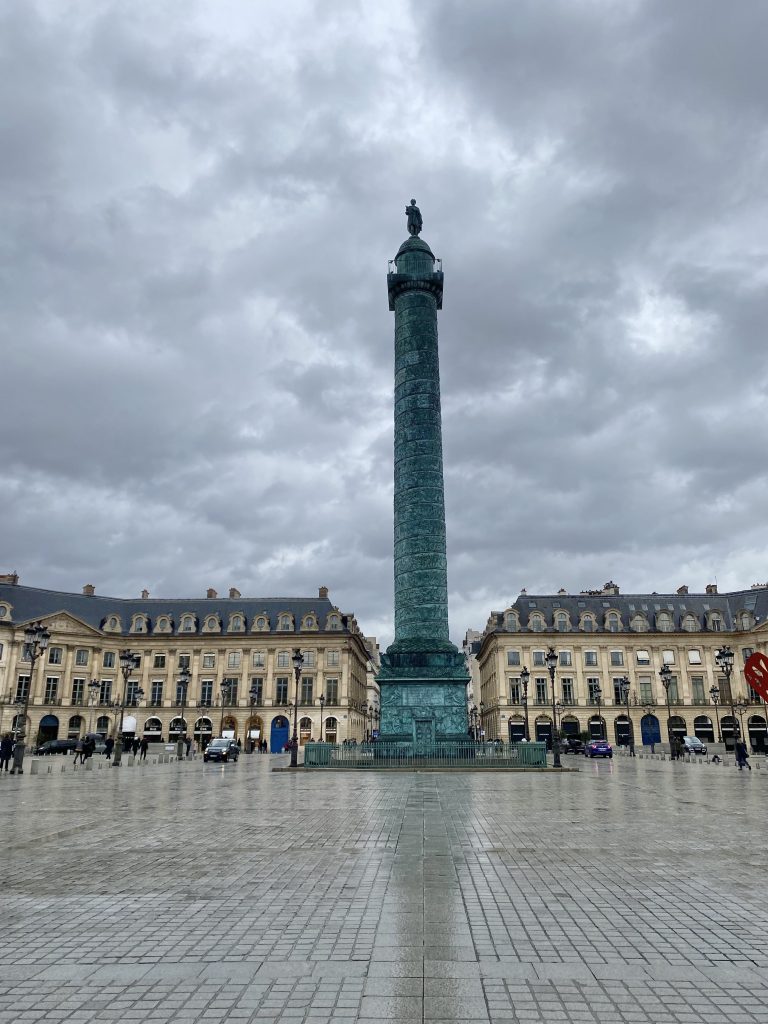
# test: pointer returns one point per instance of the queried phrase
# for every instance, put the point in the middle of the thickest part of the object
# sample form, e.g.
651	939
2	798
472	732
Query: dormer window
5	612
588	624
262	623
285	623
744	620
690	624
163	624
536	623
511	623
113	624
561	622
664	622
715	623
212	624
236	623
613	622
187	624
334	622
139	624
639	624
309	622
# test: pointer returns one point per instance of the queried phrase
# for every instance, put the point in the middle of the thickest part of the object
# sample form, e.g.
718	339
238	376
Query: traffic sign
756	673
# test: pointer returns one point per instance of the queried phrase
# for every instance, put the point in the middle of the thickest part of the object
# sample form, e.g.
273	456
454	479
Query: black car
572	745
57	747
221	750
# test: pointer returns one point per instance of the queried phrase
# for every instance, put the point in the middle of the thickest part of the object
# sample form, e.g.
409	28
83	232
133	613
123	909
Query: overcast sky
198	202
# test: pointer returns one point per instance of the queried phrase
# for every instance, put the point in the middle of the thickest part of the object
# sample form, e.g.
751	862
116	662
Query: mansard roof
28	603
728	605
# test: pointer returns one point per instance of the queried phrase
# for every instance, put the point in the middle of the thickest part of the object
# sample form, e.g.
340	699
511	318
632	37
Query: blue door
650	731
279	734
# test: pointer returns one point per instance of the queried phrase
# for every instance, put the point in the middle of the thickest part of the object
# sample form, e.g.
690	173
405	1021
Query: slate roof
629	605
33	603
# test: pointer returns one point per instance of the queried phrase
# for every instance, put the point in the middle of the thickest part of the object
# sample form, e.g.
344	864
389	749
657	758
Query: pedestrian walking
89	745
742	755
144	747
79	759
6	751
135	746
18	756
109	744
188	744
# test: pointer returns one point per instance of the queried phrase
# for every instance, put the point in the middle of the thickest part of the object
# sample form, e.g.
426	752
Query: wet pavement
629	891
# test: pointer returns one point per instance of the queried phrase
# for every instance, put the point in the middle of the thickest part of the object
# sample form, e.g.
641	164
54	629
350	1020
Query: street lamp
597	696
322	710
253	694
724	658
225	693
525	677
94	689
200	705
182	684
482	721
714	693
364	709
36	639
551	660
665	674
741	706
298	661
624	684
128	662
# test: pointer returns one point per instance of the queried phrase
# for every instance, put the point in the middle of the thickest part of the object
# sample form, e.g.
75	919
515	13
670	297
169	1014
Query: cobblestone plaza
627	891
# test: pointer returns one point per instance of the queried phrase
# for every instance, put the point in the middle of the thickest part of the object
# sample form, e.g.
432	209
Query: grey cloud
197	354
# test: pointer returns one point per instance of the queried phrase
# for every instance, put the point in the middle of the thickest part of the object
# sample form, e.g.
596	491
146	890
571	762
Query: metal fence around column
393	754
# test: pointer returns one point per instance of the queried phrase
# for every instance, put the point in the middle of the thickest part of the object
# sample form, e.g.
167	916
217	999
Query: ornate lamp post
94	688
597	696
128	662
724	658
365	709
200	705
225	694
665	674
36	639
525	678
551	660
625	685
481	720
253	695
714	693
741	706
298	661
322	712
183	685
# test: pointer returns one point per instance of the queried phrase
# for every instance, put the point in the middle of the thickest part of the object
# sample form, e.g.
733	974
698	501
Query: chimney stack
89	590
11	578
211	593
234	592
610	588
711	588
144	595
682	591
323	592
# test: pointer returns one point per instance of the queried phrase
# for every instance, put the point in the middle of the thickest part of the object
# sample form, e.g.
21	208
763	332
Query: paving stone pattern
627	892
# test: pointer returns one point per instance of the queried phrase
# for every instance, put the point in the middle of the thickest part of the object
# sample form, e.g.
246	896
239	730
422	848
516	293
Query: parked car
57	747
598	748
572	745
221	750
693	745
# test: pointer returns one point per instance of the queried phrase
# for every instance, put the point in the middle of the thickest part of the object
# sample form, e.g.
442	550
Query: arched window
664	622
561	622
716	622
187	623
178	725
102	724
113	624
305	730
309	622
639	624
536	623
334	622
331	730
745	620
212	624
613	622
139	624
4	611
511	623
588	624
236	623
285	623
163	624
261	623
153	725
690	624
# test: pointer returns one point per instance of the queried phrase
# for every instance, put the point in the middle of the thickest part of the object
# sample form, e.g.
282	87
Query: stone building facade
238	652
602	637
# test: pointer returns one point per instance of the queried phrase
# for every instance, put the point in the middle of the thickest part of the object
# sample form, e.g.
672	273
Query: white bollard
34	766
88	764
